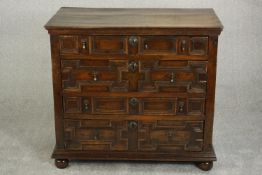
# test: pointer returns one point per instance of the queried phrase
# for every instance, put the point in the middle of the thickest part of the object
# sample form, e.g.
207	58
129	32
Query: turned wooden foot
61	163
205	166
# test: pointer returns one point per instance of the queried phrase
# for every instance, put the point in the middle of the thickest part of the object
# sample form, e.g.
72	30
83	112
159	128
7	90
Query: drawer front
133	135
94	76
134	105
93	45
166	106
103	135
173	76
95	105
166	76
174	45
134	45
170	136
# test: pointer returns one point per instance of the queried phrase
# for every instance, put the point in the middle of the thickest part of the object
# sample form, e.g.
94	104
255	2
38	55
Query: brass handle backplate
132	66
133	41
133	101
132	124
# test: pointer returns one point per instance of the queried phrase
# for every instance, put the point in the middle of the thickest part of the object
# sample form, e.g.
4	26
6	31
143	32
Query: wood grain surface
71	17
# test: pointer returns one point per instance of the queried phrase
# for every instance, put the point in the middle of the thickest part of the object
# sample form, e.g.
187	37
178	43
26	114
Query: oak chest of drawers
134	84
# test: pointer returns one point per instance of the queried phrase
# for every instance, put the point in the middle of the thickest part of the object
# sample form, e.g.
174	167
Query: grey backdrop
26	102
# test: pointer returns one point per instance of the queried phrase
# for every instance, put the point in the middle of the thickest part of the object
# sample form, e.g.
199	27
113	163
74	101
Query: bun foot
205	166
61	163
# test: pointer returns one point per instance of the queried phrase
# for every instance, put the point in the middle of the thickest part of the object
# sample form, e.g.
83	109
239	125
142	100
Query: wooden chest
134	84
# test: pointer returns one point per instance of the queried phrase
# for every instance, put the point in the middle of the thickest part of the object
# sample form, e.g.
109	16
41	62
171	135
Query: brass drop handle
133	41
181	106
146	46
133	101
96	135
132	124
84	43
133	66
170	133
183	45
172	79
95	78
86	105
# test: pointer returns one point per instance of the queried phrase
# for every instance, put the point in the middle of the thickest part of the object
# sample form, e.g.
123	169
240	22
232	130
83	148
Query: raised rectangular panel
198	46
196	106
96	135
170	136
94	75
109	45
172	64
158	45
158	106
109	105
173	76
68	44
72	104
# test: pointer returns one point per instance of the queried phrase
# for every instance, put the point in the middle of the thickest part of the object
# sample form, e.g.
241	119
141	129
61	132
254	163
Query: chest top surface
85	18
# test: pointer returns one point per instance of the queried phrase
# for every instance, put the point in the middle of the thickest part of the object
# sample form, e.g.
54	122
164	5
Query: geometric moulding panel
170	136
96	135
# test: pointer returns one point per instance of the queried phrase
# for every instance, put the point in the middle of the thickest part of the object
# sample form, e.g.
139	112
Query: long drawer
153	75
117	45
133	135
134	105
